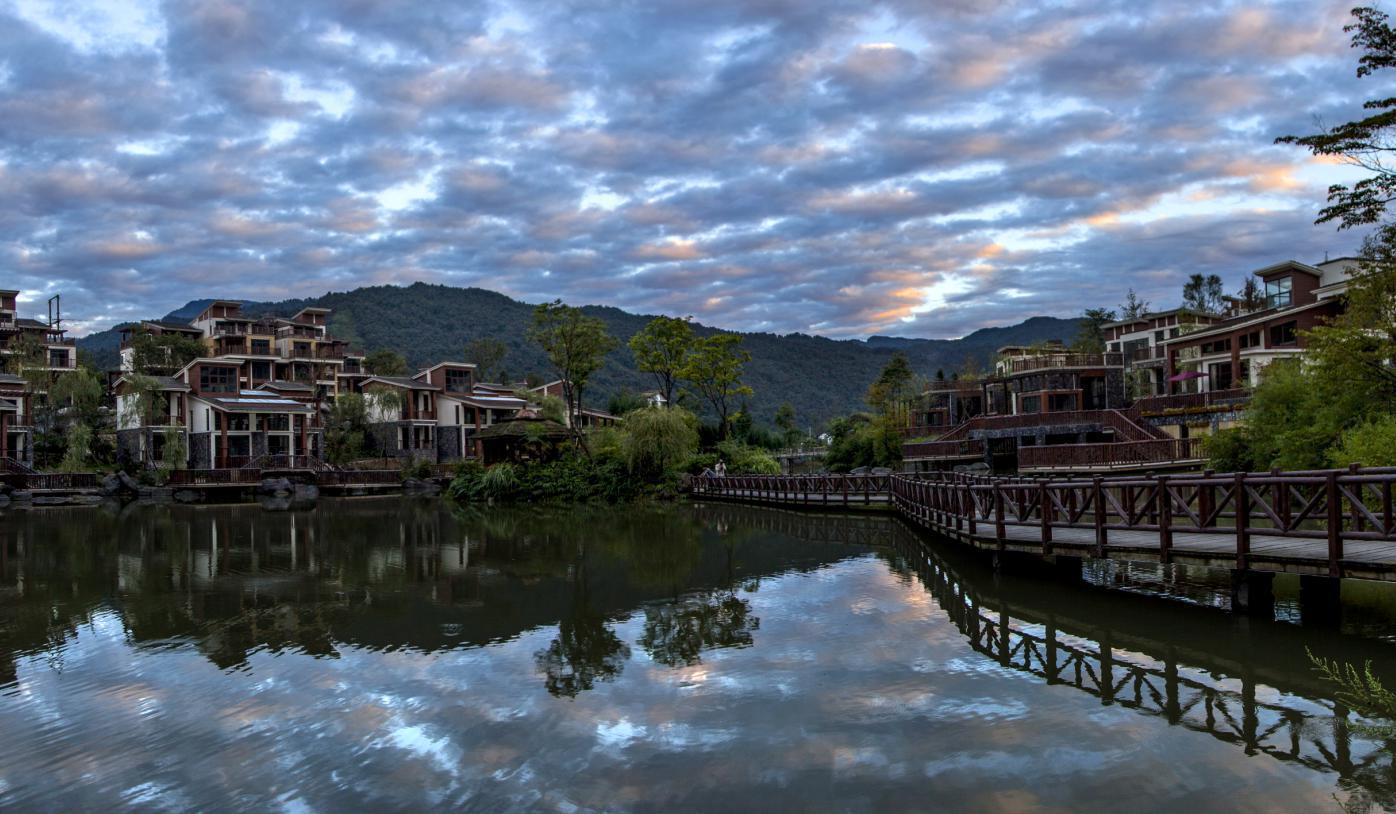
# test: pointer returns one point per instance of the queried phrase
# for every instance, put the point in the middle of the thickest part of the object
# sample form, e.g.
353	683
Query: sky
838	167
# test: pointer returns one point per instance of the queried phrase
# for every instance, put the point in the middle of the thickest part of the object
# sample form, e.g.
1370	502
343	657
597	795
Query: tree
1090	335
1366	142
488	355
714	371
1250	297
661	348
163	354
575	343
785	420
1133	307
1203	293
889	392
385	363
80	393
656	439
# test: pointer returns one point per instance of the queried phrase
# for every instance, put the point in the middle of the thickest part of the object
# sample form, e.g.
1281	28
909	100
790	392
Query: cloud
786	165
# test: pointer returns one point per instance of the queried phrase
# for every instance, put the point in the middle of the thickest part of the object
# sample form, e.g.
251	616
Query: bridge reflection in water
1242	681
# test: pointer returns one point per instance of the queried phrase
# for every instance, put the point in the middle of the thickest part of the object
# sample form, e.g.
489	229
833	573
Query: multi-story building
579	415
16	432
1230	353
1141	343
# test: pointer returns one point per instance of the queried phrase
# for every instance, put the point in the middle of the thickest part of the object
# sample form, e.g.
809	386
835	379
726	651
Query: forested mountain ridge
820	377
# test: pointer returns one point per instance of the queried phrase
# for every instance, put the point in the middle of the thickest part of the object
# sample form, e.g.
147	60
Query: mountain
820	377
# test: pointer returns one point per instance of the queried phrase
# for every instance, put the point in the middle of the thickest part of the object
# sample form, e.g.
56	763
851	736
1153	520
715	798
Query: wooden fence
1335	519
1126	453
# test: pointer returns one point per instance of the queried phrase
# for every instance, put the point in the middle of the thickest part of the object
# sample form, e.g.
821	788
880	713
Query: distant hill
820	377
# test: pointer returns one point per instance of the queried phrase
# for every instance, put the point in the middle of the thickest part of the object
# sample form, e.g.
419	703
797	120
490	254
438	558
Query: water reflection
400	655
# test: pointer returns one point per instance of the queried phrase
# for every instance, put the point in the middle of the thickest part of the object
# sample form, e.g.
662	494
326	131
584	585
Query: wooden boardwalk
1336	523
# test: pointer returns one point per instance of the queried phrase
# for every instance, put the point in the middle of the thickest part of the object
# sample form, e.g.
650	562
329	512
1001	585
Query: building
578	416
1141	343
16	430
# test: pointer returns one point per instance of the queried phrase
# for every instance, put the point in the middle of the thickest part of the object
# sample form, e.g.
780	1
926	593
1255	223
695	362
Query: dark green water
387	655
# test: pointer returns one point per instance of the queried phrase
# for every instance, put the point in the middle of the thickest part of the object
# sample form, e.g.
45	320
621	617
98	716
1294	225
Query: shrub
499	481
1369	444
1229	451
418	468
745	460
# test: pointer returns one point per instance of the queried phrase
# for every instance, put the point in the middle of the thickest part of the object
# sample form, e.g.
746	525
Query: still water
386	654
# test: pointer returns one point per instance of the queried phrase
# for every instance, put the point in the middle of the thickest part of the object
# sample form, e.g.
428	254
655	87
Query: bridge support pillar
1253	594
1320	601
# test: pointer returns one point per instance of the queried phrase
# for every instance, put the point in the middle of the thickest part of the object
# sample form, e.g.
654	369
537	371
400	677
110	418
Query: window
301	350
457	381
1058	402
1277	292
217	379
261	371
1251	340
1032	404
1158	336
1286	333
57	358
1216	346
261	347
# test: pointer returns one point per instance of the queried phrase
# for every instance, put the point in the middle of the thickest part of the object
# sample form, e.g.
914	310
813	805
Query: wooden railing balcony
923	450
1124	453
1212	401
1055	361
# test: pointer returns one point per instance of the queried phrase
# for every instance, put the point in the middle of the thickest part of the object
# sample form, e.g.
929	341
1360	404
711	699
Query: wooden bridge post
1044	516
1335	526
1000	532
1164	501
971	508
1243	522
1098	498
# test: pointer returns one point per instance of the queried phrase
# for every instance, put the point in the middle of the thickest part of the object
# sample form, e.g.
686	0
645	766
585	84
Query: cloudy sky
843	167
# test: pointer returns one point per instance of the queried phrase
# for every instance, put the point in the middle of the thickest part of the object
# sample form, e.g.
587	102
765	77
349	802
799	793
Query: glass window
261	347
458	381
1285	333
217	379
1277	292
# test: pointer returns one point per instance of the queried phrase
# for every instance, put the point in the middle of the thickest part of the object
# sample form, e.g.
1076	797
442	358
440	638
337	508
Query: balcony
1214	401
1140	356
1061	361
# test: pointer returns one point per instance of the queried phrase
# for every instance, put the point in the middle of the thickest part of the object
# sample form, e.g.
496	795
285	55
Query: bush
573	478
745	460
657	438
1369	444
1229	451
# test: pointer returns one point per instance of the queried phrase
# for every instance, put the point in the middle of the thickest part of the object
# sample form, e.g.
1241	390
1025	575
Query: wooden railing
1051	361
943	449
1219	399
359	477
60	481
1116	454
214	477
1328	512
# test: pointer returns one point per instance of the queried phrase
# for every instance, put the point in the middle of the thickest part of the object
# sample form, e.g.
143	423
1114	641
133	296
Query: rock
21	496
276	487
880	470
861	470
128	483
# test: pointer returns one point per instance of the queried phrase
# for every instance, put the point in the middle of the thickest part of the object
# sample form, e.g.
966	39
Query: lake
390	654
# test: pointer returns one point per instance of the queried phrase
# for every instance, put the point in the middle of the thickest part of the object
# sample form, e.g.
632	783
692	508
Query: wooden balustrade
1126	453
1311	518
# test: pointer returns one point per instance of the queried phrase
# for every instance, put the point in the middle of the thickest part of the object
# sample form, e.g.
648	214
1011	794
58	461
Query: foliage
1203	293
1133	307
575	343
81	392
416	469
785	421
1229	451
572	478
384	362
1090	336
862	440
662	349
714	372
1364	693
487	353
163	354
77	458
657	438
1250	296
346	429
625	401
175	452
1369	444
889	393
746	460
1367	142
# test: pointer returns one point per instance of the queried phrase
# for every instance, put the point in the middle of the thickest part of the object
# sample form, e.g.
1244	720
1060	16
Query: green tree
78	456
163	355
1133	307
1250	297
575	343
785	421
889	393
656	439
662	348
1367	142
488	355
1203	293
385	363
79	394
714	372
1090	334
